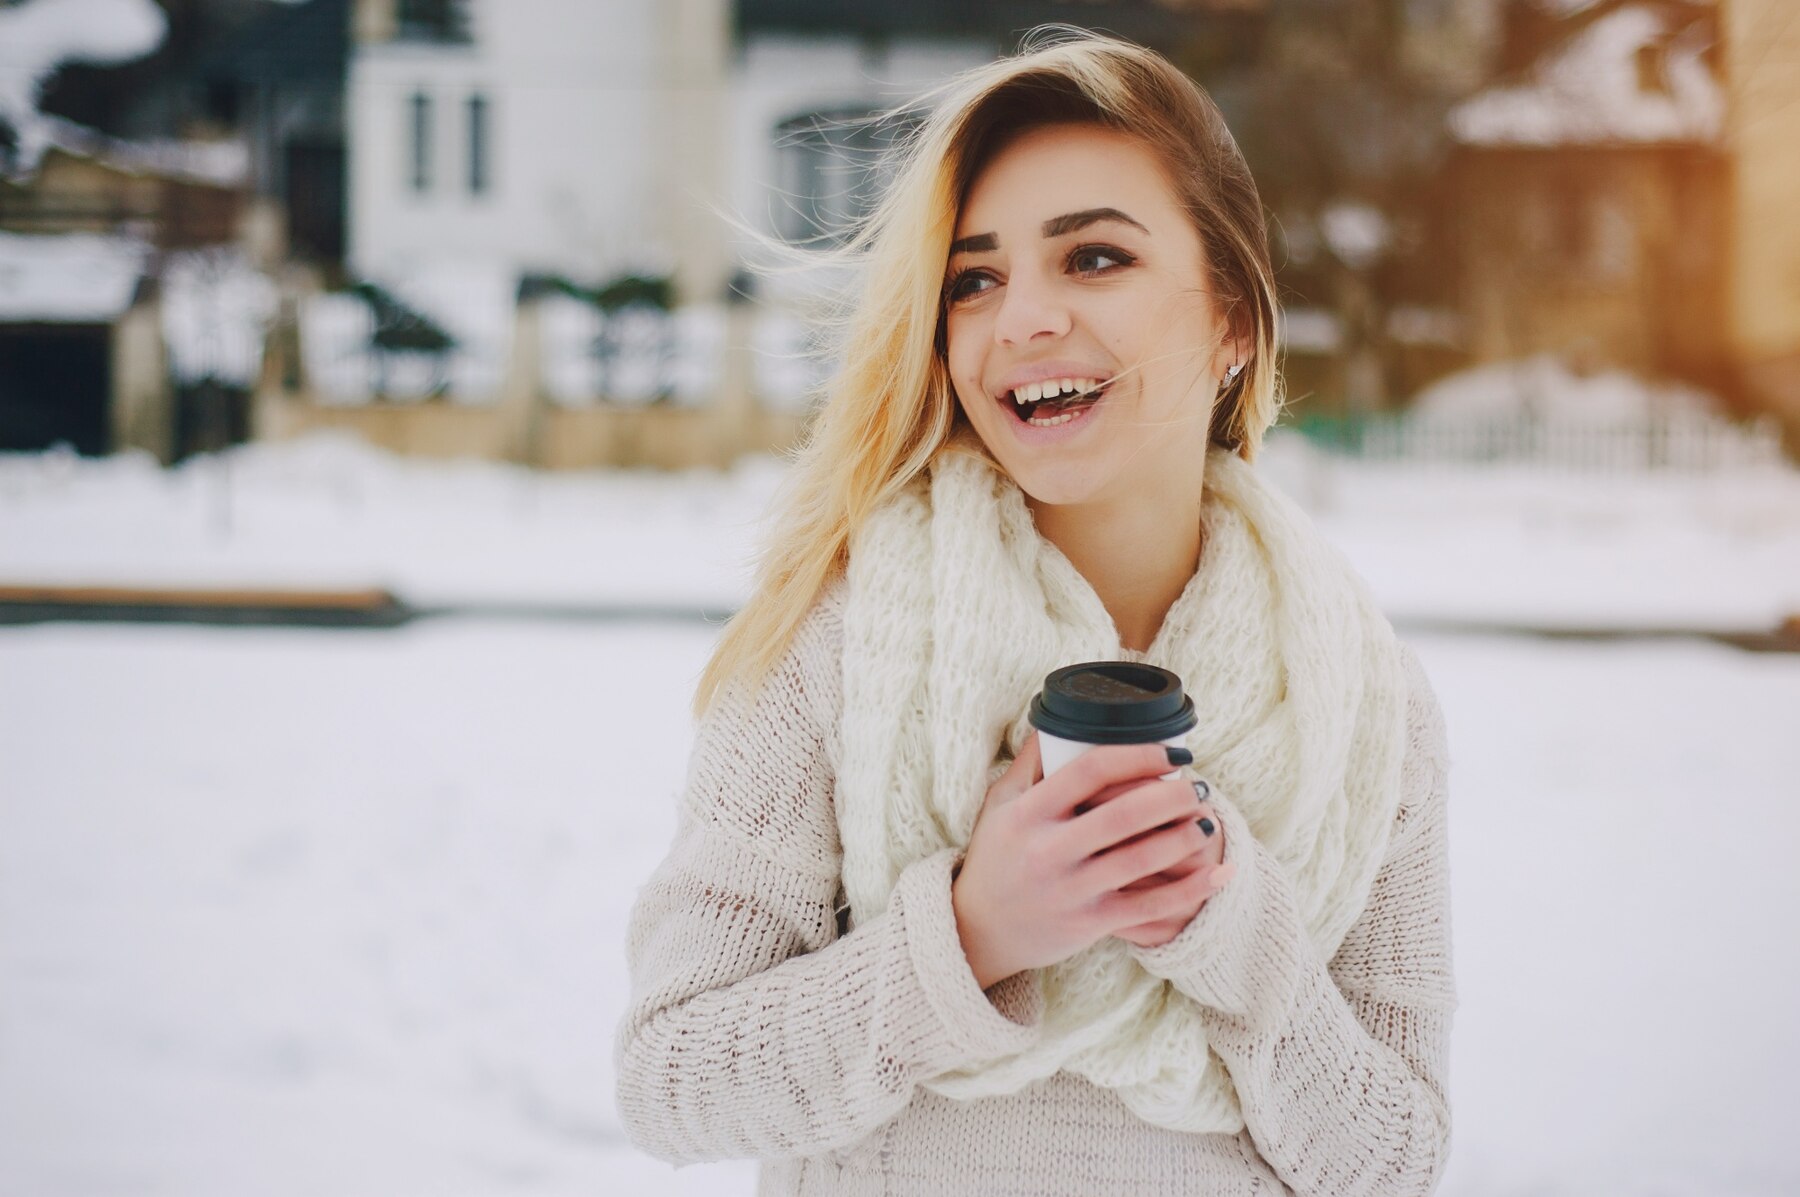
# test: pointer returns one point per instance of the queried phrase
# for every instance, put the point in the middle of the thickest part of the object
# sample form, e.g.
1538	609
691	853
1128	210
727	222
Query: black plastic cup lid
1113	702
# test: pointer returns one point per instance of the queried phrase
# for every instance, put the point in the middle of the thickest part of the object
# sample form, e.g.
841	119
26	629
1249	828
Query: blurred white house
545	187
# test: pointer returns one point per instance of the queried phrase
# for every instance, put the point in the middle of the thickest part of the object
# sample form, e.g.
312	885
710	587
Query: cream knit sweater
758	1029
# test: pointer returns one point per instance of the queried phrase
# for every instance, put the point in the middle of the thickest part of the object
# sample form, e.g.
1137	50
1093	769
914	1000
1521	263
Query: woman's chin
1058	483
1050	474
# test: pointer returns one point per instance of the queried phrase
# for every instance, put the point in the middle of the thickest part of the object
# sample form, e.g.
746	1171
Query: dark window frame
431	21
419	151
478	112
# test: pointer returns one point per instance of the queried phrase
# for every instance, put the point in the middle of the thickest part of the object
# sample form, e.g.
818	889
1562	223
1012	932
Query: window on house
421	141
1612	240
1572	230
1652	76
432	20
478	144
1580	226
830	168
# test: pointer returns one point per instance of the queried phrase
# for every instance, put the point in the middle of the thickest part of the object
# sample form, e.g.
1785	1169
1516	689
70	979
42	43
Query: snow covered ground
1504	544
320	912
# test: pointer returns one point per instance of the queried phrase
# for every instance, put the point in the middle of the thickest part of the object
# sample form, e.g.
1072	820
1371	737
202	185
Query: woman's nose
1027	309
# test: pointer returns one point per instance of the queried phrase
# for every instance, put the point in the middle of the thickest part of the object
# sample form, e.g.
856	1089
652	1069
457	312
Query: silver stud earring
1231	374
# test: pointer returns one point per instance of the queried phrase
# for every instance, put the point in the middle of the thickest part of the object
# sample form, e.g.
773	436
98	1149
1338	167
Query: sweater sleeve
1340	1067
756	1028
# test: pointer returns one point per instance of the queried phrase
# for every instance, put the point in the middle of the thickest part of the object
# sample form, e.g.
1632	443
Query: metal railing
1659	440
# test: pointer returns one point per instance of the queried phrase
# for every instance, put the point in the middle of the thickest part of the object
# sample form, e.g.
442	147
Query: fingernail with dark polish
1180	756
1206	825
1201	790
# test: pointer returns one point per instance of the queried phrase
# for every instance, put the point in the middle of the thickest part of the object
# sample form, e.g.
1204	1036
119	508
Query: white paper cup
1057	752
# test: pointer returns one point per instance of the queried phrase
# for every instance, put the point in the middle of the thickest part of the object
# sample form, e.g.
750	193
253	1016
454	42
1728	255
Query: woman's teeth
1050	388
1051	391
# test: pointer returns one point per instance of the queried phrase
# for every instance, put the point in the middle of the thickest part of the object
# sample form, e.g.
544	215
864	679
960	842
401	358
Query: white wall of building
572	115
600	128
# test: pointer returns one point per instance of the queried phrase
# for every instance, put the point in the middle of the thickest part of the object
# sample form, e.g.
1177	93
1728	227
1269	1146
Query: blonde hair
889	407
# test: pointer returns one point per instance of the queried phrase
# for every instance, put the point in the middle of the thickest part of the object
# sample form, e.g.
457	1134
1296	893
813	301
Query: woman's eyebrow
1056	226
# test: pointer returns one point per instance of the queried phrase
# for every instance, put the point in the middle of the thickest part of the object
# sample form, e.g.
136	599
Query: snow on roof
38	36
219	163
69	278
1589	91
1568	8
1356	232
1545	386
216	311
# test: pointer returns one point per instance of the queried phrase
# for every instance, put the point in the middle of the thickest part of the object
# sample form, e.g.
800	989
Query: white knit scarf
957	609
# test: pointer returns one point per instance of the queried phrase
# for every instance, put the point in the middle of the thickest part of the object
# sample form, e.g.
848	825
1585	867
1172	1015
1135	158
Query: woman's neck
1138	554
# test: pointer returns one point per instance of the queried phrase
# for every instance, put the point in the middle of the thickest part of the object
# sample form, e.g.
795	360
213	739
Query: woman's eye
1109	259
1087	253
956	290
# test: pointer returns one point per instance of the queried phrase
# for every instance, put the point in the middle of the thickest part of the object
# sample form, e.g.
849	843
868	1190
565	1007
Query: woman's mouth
1051	412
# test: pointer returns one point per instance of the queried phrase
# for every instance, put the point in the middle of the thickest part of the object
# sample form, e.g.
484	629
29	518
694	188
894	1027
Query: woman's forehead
1052	172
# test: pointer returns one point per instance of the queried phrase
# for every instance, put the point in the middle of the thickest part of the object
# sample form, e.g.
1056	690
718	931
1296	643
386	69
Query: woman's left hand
1155	934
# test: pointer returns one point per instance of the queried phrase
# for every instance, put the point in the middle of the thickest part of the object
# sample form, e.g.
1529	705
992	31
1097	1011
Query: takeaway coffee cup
1109	702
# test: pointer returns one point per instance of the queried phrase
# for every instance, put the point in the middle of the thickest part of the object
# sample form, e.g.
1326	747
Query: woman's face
1072	259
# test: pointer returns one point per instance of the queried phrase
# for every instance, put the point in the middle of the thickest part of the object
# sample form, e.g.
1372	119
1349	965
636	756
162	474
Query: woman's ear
1238	334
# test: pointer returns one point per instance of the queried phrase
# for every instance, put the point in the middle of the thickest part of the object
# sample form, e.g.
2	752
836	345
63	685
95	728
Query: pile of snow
1540	411
329	510
1505	543
1589	91
216	312
630	356
472	301
1545	387
38	36
68	278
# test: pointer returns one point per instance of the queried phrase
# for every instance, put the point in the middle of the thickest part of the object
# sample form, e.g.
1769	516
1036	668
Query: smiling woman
1131	314
1221	966
1106	476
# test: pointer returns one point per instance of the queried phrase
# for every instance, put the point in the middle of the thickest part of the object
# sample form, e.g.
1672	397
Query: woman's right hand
1047	864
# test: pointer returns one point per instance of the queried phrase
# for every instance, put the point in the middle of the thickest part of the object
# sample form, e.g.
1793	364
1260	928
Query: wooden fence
1671	440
